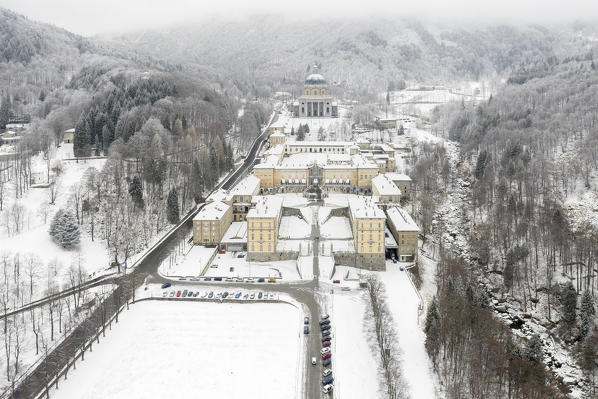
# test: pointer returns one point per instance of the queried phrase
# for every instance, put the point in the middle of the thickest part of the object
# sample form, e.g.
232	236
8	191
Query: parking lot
217	294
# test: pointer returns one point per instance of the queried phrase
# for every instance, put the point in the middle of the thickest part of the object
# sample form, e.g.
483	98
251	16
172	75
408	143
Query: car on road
325	317
271	296
224	295
271	280
196	294
228	280
306	320
325	327
214	266
252	296
171	294
327	388
259	296
327	380
346	289
327	362
182	278
313	361
165	285
178	293
238	295
207	279
326	333
217	278
211	295
326	344
249	280
336	281
325	350
326	339
300	216
240	256
185	293
219	295
164	294
205	294
246	296
326	372
260	280
305	329
238	280
324	322
326	355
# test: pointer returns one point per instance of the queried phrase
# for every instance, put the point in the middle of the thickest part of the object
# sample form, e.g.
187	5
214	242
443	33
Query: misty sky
89	17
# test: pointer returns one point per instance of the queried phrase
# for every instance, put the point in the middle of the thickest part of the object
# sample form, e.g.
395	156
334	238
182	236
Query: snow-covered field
294	227
230	265
336	227
403	303
355	367
194	350
192	264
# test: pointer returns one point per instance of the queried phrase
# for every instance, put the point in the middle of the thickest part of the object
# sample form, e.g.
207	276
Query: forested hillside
359	55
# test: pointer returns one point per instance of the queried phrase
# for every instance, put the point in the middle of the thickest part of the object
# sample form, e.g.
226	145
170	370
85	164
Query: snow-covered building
405	232
316	100
68	136
210	224
367	223
240	196
263	221
402	181
386	190
276	138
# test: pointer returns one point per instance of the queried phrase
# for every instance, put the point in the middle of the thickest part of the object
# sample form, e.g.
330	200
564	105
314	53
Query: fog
91	17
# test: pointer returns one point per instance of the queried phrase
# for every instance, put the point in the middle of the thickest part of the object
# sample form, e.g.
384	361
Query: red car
336	281
178	294
327	355
325	344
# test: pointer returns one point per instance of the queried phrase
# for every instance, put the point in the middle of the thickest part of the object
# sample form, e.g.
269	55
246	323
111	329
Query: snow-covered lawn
326	264
336	227
230	265
192	264
403	302
355	368
306	266
194	350
294	227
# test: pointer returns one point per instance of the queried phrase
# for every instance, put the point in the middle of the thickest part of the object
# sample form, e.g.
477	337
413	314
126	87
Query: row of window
253	248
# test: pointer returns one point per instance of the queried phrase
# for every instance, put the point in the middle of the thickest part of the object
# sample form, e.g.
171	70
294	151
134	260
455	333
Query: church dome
315	79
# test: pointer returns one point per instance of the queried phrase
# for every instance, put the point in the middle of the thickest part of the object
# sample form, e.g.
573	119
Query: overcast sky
89	17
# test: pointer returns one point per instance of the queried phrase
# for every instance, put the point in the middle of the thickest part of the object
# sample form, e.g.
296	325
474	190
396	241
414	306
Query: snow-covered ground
195	350
294	227
337	227
403	303
192	264
354	365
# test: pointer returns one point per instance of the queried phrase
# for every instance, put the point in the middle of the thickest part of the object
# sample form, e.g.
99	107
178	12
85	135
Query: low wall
270	257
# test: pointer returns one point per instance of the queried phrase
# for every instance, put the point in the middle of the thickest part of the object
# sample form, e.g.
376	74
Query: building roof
397	176
212	211
247	186
267	206
277	134
320	144
401	220
315	79
384	186
236	233
363	207
71	130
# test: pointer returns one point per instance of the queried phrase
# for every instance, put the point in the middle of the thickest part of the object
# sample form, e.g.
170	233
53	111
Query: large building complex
315	100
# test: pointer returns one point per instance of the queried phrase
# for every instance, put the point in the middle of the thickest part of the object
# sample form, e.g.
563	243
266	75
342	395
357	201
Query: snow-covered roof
236	233
363	207
71	130
384	186
386	148
218	195
248	186
320	144
277	134
212	211
268	206
401	220
314	79
397	176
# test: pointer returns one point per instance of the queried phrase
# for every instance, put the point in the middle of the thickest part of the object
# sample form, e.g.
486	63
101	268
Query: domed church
316	101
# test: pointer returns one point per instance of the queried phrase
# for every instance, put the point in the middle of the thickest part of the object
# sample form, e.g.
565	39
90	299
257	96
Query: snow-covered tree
569	302
64	229
136	192
533	349
586	313
172	206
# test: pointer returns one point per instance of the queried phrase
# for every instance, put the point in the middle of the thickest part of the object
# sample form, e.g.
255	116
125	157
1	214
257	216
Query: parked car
336	281
325	317
249	280
327	362
325	327
217	278
326	344
182	278
240	256
185	293
271	280
238	280
326	372
326	355
327	388
194	279
260	280
222	251
305	329
207	279
325	322
214	266
164	294
271	295
196	294
165	285
238	295
171	294
228	279
218	295
205	294
325	350
306	320
313	361
224	295
252	296
326	333
211	295
328	380
346	289
259	296
326	339
245	296
178	293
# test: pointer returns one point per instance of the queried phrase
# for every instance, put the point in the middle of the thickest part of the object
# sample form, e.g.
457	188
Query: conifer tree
533	349
569	302
4	112
172	206
81	141
64	229
136	192
586	313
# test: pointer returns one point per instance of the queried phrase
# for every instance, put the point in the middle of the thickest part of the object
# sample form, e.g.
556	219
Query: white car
249	280
164	294
313	361
327	388
326	372
214	266
325	350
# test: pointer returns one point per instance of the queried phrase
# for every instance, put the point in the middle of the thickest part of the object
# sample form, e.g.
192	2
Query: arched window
306	92
315	92
323	91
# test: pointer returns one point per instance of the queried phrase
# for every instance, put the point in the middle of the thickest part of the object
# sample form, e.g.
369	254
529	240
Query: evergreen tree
300	133
481	164
172	206
292	130
4	112
136	192
432	330
64	229
197	183
81	141
586	313
42	96
569	302
306	128
533	349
